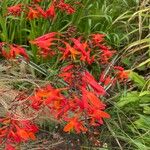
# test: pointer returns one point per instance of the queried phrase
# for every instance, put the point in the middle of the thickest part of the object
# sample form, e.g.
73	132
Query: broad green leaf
131	97
144	93
143	122
140	145
138	79
146	110
144	99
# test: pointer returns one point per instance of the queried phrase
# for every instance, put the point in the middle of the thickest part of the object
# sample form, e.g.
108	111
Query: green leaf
146	110
144	99
143	122
131	97
144	93
126	61
138	79
143	63
140	145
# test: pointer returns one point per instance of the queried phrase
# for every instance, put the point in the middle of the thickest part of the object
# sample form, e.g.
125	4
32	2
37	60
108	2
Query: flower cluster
80	106
78	100
14	131
34	10
86	51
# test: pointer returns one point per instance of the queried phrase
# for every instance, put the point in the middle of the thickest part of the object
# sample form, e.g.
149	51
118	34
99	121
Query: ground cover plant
65	61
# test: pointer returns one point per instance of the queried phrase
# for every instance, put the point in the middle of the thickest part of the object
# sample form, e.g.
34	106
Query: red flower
35	12
119	68
92	99
41	11
15	10
37	1
67	74
65	7
106	79
84	49
16	131
89	79
102	77
46	36
67	68
97	38
9	147
11	51
106	53
50	12
44	43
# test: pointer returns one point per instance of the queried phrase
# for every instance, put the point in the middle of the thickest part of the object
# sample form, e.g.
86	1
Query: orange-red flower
69	51
75	124
93	100
122	75
84	49
96	117
32	14
106	79
46	96
35	12
10	51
